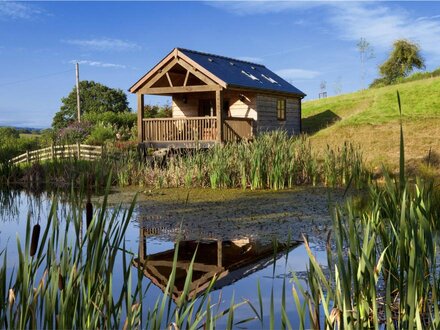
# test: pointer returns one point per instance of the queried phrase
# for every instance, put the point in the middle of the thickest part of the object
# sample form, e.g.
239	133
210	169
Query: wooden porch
190	132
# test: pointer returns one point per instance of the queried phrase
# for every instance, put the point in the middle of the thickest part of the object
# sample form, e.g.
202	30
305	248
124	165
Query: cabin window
281	109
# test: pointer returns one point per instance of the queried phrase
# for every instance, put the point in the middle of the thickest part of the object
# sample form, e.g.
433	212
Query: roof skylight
249	75
273	81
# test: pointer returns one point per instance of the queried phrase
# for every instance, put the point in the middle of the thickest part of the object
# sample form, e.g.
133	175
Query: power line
35	78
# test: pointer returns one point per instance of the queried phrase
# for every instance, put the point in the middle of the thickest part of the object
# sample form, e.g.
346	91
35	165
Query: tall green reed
384	269
272	161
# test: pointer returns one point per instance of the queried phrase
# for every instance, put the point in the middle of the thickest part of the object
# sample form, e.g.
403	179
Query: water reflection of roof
228	261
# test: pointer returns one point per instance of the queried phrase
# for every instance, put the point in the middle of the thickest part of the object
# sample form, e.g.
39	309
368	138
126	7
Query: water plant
384	269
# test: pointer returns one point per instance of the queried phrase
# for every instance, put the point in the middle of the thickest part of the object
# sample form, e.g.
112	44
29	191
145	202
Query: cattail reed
11	297
89	213
34	240
60	281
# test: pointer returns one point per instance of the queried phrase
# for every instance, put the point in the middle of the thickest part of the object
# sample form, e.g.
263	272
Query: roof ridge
219	56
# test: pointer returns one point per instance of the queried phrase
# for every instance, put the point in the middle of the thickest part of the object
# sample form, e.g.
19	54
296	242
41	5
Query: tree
94	97
367	52
404	57
156	111
8	133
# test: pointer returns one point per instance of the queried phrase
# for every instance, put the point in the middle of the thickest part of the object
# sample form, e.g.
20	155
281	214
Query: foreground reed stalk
64	278
384	270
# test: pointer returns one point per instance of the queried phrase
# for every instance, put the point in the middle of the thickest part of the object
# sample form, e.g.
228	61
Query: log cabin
215	99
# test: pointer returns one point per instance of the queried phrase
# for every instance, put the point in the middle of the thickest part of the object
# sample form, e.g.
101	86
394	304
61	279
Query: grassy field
370	118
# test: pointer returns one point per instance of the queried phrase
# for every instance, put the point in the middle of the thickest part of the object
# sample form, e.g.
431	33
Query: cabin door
207	108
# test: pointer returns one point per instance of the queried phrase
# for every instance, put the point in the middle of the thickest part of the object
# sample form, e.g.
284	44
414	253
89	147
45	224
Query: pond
243	238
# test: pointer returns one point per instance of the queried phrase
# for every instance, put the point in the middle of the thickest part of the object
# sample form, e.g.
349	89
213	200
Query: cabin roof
238	73
227	72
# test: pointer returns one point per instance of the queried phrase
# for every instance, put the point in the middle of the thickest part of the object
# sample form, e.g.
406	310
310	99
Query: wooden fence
77	151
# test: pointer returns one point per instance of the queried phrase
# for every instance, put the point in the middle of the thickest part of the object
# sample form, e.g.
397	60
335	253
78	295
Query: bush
381	82
100	134
13	146
75	132
8	133
118	120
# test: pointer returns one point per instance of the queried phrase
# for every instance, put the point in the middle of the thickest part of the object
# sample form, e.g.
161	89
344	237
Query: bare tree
366	52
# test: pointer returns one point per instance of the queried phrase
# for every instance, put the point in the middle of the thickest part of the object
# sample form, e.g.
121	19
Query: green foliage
116	119
156	111
381	82
100	134
272	161
8	133
94	97
11	144
404	57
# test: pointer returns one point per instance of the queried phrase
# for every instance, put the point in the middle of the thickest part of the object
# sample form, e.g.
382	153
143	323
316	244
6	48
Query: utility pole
77	93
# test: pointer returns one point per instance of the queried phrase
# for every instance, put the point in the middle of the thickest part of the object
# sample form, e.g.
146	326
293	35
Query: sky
305	42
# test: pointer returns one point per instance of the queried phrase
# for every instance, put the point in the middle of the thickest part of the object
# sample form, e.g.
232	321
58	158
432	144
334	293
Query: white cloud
103	44
98	64
295	74
382	25
15	10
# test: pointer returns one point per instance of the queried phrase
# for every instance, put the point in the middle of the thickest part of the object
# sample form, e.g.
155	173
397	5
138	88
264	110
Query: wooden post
28	159
78	147
52	149
219	111
140	116
77	93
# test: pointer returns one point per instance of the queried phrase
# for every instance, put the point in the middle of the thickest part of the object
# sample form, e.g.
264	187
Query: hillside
370	118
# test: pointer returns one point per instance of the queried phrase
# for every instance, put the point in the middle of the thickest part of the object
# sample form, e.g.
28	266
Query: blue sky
117	42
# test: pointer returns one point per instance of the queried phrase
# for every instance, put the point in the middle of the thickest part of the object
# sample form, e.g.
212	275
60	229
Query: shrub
75	132
118	120
11	147
100	134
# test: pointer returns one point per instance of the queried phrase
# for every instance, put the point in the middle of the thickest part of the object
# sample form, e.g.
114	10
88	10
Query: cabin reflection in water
228	260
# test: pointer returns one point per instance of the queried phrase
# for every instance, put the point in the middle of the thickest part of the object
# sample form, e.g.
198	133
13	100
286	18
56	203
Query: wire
35	78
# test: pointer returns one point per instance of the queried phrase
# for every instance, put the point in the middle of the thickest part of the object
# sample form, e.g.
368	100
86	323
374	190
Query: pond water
239	256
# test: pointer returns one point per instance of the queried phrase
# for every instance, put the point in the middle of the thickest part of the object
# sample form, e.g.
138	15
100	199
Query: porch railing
192	129
188	129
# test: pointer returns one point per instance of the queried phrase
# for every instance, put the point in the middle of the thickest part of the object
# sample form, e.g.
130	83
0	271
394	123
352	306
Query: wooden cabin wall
245	108
267	114
191	107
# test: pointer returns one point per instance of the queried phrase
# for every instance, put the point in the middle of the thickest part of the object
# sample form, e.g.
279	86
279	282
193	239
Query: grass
370	119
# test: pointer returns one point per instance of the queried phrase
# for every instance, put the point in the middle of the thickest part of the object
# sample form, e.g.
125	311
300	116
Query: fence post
53	151
28	159
78	146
